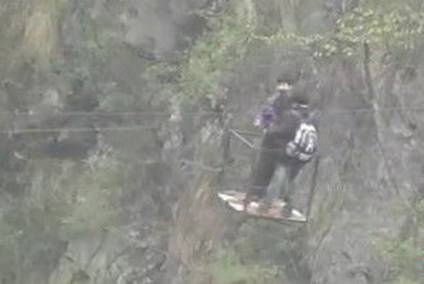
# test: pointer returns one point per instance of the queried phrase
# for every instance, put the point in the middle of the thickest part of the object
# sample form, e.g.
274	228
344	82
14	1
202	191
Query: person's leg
278	183
288	187
262	173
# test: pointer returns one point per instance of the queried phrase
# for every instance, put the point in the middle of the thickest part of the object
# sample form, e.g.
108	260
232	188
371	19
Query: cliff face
368	186
115	121
80	204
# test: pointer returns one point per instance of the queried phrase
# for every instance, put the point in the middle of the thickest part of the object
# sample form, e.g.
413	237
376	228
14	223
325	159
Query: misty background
114	140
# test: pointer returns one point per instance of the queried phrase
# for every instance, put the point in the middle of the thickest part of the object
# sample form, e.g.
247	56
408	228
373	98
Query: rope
196	113
242	139
75	129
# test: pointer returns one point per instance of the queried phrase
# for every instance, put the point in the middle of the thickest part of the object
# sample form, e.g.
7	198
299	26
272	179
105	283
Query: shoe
250	198
286	211
260	205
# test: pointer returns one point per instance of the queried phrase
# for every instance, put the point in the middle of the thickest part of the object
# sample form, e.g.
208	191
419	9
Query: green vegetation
62	203
212	58
405	254
47	204
405	258
229	269
396	29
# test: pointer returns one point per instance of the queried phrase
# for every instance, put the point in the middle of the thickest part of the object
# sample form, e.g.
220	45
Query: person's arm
271	111
265	116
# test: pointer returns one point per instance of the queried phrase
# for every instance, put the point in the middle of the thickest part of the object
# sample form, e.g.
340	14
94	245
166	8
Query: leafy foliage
396	29
211	58
96	198
229	269
406	255
66	200
63	203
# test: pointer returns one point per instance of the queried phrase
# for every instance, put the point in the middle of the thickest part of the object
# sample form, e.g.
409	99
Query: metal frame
239	135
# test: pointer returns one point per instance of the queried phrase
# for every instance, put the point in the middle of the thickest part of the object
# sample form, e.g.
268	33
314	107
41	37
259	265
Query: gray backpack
304	143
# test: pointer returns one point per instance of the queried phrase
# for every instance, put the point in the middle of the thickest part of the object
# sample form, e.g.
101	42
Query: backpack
304	143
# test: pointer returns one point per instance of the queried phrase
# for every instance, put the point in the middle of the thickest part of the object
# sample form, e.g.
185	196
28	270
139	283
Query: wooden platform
234	200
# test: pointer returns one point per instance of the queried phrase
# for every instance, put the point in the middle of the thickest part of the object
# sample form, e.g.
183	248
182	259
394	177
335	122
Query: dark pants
274	172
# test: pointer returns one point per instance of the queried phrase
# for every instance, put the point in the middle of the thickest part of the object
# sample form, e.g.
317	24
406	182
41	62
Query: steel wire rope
75	129
195	113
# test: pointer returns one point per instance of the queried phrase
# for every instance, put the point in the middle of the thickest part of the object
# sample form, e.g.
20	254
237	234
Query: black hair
289	77
300	94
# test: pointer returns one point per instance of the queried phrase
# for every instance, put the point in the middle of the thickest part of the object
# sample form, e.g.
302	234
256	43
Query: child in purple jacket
271	110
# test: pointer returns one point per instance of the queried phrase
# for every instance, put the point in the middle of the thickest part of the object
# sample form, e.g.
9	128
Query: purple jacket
271	110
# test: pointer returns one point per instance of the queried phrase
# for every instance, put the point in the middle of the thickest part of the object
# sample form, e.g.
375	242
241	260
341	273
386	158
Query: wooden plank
234	200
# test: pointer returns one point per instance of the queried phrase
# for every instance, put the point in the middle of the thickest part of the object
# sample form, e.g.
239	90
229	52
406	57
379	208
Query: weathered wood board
234	200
